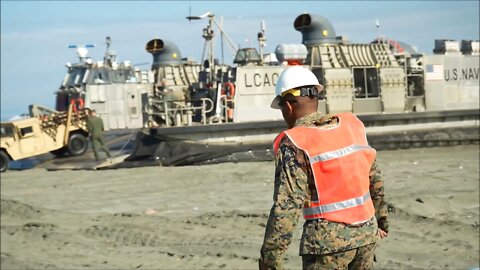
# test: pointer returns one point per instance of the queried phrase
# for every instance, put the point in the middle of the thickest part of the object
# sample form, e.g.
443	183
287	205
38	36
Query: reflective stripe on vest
320	209
340	159
339	153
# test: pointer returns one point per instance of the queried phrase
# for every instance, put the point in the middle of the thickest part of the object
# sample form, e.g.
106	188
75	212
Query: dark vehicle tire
59	152
77	144
4	159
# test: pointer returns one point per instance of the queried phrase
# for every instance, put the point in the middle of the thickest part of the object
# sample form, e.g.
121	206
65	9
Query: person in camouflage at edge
95	128
324	244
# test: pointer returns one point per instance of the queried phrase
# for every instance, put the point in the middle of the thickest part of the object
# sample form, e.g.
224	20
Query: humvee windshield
6	131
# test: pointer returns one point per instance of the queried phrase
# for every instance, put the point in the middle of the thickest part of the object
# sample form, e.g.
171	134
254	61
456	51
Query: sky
35	34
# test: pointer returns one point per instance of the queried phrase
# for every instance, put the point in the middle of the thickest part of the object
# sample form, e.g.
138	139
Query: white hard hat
294	77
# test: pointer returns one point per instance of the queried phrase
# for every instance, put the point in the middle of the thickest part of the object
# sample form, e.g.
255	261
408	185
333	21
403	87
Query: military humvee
59	133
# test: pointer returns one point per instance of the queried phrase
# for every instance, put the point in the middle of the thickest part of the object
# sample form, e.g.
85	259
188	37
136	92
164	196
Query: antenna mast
109	56
378	31
261	39
208	35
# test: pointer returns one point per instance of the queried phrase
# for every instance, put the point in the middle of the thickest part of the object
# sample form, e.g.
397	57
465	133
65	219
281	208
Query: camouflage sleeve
290	192
89	125
377	193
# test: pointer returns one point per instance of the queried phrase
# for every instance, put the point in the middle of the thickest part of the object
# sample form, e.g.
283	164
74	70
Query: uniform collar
316	119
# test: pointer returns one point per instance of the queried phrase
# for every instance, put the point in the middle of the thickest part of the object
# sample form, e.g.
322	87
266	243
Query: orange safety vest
340	159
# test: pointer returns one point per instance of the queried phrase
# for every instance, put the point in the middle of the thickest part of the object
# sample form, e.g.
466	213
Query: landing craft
192	113
117	90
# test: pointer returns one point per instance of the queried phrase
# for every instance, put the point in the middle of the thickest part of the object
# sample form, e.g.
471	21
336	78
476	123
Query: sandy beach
214	216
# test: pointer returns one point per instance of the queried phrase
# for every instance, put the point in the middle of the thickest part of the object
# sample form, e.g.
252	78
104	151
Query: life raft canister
229	91
77	104
340	160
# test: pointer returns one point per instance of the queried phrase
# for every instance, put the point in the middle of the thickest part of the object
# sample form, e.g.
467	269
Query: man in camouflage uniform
324	244
95	128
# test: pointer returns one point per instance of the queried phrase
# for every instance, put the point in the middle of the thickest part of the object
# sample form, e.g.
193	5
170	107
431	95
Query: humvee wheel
3	161
77	144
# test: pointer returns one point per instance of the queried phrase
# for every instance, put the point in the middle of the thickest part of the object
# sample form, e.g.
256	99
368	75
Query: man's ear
289	107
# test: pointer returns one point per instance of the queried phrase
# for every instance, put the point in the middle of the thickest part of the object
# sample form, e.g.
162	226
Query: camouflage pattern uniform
95	128
324	244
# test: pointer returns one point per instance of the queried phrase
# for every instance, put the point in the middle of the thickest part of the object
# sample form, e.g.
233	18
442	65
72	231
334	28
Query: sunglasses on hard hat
284	100
305	91
294	92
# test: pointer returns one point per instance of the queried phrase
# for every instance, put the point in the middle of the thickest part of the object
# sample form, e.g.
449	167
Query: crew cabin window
365	82
99	78
118	76
75	76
